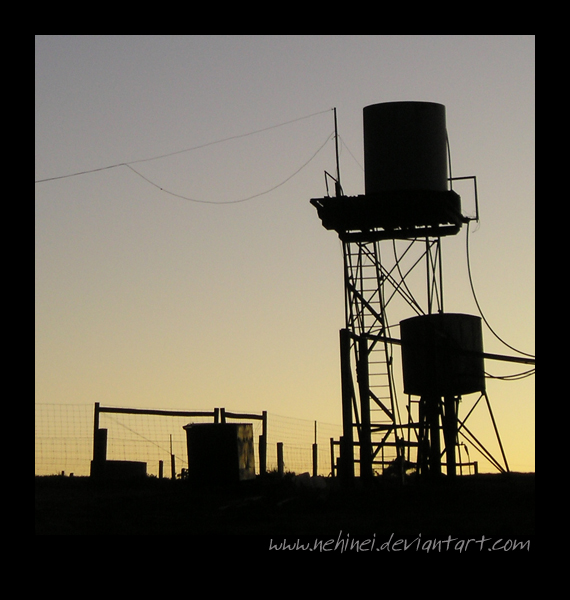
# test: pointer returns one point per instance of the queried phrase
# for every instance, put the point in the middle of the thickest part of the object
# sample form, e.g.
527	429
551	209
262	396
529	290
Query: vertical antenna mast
338	187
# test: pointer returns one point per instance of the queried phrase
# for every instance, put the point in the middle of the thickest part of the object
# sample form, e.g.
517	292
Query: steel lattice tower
370	405
407	198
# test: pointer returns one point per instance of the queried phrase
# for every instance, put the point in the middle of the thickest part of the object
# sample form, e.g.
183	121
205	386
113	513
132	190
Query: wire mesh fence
64	440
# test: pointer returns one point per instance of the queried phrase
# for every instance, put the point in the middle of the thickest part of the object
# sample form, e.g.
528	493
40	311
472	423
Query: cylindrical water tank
442	355
405	147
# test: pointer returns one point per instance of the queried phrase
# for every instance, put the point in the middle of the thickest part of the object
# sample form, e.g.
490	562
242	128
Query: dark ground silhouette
490	505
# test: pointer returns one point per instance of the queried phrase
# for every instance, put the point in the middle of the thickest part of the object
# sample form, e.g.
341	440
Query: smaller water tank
405	147
442	355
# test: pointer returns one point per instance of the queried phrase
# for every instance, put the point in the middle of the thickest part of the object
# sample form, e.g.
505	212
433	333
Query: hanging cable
231	201
80	173
513	377
479	307
351	154
449	159
233	137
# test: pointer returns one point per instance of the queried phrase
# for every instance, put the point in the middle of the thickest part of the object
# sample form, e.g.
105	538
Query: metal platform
391	215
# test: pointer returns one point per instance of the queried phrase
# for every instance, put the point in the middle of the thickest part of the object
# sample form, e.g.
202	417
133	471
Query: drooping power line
233	137
479	307
329	137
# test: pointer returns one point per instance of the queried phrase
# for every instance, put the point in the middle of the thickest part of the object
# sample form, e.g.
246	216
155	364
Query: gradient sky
144	299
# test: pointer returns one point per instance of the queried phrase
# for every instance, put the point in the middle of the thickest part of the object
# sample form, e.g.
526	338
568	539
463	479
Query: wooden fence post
315	459
99	452
263	446
95	428
262	454
280	466
315	453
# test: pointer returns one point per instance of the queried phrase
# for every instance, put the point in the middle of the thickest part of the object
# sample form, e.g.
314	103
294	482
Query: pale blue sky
144	299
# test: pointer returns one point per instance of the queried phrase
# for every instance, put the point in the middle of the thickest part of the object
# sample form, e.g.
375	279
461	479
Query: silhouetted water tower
407	197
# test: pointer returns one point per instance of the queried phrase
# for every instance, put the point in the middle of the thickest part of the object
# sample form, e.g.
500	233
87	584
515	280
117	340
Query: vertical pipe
432	410
423	438
428	270
347	445
450	434
440	275
346	259
364	391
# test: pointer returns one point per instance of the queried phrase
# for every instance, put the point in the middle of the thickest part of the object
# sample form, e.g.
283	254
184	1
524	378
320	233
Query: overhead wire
80	173
200	146
479	306
148	440
329	137
513	377
351	154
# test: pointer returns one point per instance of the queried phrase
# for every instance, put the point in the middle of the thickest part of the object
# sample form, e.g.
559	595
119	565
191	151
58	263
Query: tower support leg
365	436
347	443
432	426
449	422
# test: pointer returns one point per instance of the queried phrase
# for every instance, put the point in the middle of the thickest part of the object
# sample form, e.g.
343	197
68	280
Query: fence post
333	466
315	454
345	464
280	466
262	454
315	459
160	469
173	466
95	428
263	444
99	452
